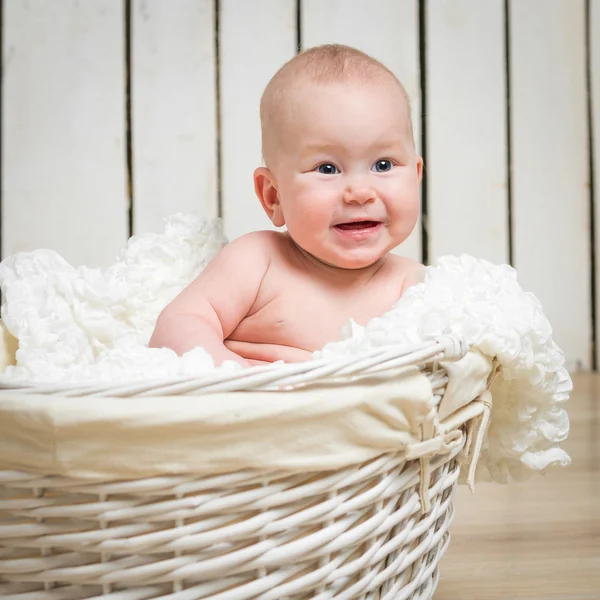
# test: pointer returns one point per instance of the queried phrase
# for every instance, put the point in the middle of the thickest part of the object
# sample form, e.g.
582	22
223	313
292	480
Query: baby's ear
265	187
420	168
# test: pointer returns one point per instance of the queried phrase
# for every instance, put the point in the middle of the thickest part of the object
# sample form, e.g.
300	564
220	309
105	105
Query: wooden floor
537	540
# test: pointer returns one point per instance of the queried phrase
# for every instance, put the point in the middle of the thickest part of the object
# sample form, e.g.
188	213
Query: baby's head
341	169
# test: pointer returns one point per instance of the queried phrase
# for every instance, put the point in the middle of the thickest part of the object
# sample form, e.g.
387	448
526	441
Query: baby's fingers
267	353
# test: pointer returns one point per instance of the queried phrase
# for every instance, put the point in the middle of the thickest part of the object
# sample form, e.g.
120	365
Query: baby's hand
233	357
257	353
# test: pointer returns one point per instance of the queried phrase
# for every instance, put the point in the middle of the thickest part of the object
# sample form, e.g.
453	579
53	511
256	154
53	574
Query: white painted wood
467	199
256	38
64	177
595	124
551	238
388	30
174	110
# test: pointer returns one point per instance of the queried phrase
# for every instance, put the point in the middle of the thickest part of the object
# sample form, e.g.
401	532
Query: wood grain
63	129
536	540
256	38
594	73
173	110
466	130
550	207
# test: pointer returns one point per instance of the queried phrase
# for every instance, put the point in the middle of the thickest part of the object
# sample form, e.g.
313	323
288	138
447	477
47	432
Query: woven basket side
352	533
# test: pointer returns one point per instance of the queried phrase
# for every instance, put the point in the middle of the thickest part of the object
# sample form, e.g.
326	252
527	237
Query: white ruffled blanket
76	324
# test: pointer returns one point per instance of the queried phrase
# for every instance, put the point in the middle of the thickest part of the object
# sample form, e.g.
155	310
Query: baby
343	176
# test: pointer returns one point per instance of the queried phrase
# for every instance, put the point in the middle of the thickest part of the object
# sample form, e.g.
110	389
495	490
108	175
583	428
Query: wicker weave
360	532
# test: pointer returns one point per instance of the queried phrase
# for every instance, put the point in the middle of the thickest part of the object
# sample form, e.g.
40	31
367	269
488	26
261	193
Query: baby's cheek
316	209
404	212
302	219
406	197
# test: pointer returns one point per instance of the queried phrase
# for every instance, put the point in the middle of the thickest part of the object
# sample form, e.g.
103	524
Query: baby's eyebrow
320	147
394	146
387	141
331	146
388	144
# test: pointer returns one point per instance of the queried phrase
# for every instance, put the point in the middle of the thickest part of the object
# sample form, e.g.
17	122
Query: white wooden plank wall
255	39
63	137
195	134
594	72
466	129
396	44
551	236
173	110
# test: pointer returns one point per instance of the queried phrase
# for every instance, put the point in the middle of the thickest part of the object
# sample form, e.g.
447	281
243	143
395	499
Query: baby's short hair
330	63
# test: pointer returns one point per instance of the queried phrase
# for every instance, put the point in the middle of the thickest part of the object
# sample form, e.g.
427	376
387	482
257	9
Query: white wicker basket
371	530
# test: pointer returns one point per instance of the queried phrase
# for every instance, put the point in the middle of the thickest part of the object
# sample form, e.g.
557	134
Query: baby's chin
350	261
357	265
339	258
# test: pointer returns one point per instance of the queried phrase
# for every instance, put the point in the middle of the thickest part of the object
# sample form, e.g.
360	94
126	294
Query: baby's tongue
356	225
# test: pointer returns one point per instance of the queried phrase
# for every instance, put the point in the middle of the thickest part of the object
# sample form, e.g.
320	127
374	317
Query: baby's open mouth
357	225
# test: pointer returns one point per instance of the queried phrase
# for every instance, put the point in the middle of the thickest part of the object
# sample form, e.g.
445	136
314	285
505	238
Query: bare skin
286	303
343	177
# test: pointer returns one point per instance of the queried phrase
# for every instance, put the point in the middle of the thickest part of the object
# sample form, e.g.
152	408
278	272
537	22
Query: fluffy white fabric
484	304
80	324
77	324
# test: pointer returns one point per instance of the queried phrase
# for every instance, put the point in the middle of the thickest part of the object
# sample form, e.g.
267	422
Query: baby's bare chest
308	316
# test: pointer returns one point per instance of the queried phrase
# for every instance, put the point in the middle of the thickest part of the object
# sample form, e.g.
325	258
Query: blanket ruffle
76	324
81	324
484	305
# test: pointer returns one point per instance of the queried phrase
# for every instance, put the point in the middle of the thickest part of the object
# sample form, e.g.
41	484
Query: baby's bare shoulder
255	240
258	246
404	265
408	272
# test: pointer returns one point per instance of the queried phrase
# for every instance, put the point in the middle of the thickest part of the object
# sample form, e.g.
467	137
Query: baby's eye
327	169
381	166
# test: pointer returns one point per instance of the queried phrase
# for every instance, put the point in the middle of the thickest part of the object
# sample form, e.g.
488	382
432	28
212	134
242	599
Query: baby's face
347	174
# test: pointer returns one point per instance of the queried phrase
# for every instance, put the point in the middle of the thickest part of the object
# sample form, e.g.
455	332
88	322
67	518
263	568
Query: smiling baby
342	175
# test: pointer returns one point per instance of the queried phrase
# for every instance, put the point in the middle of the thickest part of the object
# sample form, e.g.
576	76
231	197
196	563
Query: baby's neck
338	275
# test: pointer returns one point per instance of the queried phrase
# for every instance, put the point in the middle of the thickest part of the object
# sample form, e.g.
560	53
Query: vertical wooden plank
594	65
466	129
174	110
551	239
63	126
388	31
256	38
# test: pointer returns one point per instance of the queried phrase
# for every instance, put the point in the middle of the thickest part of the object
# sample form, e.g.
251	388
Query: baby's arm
211	307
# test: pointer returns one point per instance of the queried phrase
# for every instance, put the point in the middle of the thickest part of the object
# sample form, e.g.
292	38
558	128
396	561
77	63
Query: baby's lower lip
358	229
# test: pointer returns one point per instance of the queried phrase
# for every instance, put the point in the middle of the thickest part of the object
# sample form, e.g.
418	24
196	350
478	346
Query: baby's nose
359	194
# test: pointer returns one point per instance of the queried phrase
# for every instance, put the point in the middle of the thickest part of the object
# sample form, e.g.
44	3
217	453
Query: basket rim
277	376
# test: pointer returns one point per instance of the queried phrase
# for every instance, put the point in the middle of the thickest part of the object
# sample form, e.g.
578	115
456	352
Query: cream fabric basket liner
318	427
